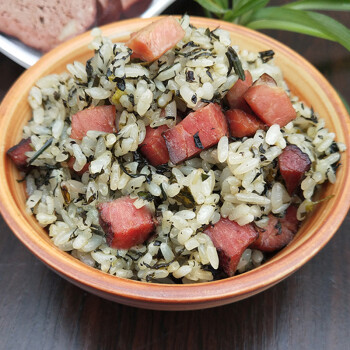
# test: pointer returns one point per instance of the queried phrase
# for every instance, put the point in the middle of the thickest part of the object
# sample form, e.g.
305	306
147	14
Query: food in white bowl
173	169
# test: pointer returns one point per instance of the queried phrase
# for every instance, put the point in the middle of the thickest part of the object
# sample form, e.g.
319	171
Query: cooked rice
235	179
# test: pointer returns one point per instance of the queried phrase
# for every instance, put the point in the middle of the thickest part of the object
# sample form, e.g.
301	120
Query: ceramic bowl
303	79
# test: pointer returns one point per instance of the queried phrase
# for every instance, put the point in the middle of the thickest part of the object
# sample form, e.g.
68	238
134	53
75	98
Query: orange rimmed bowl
304	81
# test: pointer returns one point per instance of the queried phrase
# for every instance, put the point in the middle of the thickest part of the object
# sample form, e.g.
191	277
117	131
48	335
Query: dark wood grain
309	310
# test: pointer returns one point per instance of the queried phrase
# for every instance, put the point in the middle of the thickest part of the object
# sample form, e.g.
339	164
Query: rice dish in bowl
227	180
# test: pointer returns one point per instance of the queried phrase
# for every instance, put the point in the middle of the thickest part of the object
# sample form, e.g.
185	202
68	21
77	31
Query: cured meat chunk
235	97
231	240
17	153
293	163
125	225
242	124
100	118
153	146
278	233
153	41
199	130
270	103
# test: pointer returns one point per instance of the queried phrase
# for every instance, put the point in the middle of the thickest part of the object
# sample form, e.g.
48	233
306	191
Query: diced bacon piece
100	118
235	97
153	41
242	124
125	225
199	130
17	153
70	164
293	164
269	102
278	233
153	146
231	240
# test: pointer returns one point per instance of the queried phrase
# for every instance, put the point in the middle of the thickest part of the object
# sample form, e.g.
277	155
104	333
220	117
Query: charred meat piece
231	240
153	147
199	130
293	164
278	233
270	102
125	225
17	153
100	118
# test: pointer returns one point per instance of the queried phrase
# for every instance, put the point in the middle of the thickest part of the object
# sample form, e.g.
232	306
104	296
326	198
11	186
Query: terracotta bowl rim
235	287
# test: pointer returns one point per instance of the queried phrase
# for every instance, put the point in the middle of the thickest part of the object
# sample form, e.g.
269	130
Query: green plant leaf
238	3
222	3
305	22
212	6
251	5
291	27
331	5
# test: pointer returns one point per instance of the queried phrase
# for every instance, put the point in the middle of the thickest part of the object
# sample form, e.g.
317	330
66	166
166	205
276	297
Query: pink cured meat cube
269	102
17	153
278	233
153	41
235	97
125	225
199	130
100	118
242	124
231	240
153	146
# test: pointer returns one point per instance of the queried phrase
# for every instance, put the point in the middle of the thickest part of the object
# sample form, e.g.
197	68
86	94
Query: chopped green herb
185	198
189	76
278	226
65	194
234	63
197	141
267	55
147	196
205	176
46	145
194	99
309	206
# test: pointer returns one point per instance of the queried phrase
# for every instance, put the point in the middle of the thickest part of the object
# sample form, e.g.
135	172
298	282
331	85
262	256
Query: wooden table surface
309	310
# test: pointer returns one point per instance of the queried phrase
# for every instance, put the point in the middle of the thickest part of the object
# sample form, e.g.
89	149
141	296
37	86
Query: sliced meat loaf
44	24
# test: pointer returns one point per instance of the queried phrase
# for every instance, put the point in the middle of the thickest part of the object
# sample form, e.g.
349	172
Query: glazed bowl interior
303	80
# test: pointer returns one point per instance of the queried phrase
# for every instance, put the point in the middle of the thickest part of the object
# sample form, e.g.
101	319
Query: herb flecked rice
234	179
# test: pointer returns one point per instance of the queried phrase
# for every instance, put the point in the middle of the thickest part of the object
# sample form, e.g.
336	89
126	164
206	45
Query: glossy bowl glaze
303	79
